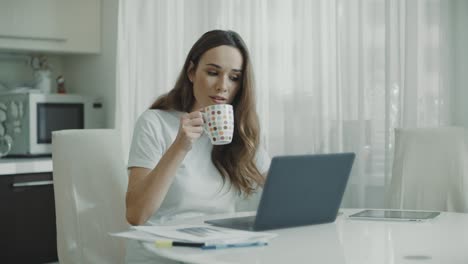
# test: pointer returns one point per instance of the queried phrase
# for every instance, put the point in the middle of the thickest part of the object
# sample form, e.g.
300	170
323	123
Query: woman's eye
235	78
212	73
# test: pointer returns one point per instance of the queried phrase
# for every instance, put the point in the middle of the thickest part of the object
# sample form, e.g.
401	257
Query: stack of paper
206	234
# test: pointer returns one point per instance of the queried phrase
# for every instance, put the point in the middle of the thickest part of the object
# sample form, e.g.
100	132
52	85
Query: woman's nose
222	85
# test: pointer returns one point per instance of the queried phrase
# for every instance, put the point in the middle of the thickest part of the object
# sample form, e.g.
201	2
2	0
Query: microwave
30	119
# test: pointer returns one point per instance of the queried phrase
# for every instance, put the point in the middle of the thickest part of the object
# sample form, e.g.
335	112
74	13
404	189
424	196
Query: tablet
395	215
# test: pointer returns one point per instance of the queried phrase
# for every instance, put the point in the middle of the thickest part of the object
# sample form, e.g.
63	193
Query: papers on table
204	233
136	235
210	235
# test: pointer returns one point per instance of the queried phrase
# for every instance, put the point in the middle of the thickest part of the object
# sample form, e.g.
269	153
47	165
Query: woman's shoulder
158	118
158	114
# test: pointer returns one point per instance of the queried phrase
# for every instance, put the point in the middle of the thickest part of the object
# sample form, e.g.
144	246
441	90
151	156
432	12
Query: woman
175	171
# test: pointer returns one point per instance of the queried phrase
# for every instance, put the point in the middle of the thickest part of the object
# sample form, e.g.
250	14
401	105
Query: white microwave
30	118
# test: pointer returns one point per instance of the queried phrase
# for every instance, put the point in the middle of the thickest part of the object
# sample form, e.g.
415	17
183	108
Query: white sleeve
147	148
262	159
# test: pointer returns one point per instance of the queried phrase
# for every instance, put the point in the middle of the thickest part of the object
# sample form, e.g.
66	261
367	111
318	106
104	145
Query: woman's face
218	76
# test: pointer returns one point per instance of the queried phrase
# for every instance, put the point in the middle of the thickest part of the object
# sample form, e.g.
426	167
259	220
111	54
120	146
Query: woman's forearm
146	193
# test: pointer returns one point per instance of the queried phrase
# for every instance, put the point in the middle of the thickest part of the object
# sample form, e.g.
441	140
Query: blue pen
235	245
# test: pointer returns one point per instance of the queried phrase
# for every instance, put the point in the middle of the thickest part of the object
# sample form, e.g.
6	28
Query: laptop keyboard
245	223
245	220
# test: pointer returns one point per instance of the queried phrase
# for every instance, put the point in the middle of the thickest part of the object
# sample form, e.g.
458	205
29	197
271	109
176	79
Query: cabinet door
28	219
50	25
26	19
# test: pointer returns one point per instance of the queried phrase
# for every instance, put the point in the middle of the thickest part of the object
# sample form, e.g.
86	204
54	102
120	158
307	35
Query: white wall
95	74
460	24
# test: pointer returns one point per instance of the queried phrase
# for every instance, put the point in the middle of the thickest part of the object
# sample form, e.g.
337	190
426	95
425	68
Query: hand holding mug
191	128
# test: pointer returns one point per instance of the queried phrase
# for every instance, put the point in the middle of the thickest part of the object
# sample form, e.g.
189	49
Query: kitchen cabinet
28	218
58	26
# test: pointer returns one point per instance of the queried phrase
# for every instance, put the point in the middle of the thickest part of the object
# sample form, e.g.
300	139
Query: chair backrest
430	170
90	182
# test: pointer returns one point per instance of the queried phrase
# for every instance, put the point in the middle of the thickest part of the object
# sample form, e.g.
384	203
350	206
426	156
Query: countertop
10	166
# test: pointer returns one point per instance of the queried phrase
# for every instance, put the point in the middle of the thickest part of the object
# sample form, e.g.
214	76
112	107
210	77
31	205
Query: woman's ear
191	71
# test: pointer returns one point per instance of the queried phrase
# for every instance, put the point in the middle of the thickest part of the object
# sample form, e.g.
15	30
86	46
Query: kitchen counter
9	166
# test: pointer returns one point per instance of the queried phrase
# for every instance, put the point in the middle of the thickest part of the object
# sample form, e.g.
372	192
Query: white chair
430	170
90	182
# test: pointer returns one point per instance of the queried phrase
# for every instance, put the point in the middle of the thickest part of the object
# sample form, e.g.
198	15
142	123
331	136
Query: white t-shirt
198	187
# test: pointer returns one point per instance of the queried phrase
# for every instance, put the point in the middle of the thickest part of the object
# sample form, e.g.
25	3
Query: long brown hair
235	161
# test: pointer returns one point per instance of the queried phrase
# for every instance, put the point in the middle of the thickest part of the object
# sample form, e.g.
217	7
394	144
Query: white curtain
331	75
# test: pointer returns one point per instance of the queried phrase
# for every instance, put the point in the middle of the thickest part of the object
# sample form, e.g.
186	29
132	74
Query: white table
443	240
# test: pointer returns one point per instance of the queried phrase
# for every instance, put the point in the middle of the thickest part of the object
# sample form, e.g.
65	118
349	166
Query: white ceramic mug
219	123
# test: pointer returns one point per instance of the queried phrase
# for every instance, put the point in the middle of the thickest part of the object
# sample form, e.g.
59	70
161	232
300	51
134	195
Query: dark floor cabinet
27	219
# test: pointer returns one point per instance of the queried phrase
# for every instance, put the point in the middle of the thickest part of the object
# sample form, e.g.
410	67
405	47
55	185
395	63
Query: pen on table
235	245
169	243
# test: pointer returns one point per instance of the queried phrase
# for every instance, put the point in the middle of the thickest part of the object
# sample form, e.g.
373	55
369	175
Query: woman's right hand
190	130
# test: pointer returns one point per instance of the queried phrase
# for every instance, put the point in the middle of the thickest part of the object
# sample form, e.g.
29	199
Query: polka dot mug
219	123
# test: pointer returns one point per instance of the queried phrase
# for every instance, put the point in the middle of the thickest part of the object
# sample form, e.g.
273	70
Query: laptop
299	190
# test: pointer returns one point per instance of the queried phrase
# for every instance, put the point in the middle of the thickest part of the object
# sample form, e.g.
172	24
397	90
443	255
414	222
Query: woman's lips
218	100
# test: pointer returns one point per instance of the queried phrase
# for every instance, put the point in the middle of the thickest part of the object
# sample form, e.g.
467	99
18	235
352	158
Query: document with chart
204	233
